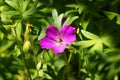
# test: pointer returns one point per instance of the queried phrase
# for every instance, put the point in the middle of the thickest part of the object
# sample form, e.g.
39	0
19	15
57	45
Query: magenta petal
59	48
46	43
52	32
68	34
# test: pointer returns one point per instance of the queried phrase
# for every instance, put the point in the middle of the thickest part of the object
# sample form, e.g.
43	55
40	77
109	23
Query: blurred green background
95	55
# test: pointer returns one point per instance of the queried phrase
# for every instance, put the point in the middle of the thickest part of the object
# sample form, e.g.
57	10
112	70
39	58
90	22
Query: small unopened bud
26	46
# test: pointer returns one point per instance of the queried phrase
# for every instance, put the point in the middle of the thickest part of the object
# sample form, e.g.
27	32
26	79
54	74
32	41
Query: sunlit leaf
60	19
6	18
1	8
24	4
85	43
13	3
97	47
89	35
54	14
107	40
19	30
57	19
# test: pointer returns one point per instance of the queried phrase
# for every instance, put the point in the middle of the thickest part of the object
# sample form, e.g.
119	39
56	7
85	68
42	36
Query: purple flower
58	40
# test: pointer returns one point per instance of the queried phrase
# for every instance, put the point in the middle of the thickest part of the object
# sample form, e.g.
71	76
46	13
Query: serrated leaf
89	35
85	44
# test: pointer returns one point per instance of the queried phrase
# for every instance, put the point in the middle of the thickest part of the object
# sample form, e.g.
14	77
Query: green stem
22	52
25	64
70	56
68	61
52	61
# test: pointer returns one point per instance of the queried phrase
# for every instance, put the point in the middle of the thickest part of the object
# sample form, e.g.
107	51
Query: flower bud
26	46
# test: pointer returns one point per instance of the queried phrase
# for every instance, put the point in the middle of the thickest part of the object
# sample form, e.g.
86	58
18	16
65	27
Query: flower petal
68	34
59	48
52	32
46	43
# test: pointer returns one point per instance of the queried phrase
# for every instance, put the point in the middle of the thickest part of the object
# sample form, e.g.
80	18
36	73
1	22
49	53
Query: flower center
60	40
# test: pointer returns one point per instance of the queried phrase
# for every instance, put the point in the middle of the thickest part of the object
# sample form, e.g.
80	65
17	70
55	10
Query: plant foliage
95	54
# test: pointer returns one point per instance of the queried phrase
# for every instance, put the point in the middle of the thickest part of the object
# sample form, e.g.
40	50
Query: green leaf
25	4
59	61
69	20
48	56
16	52
57	19
1	35
19	30
5	18
54	14
60	20
42	33
31	11
97	47
112	15
50	71
108	41
2	29
89	35
13	3
70	11
84	23
1	8
5	46
85	44
80	8
27	14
